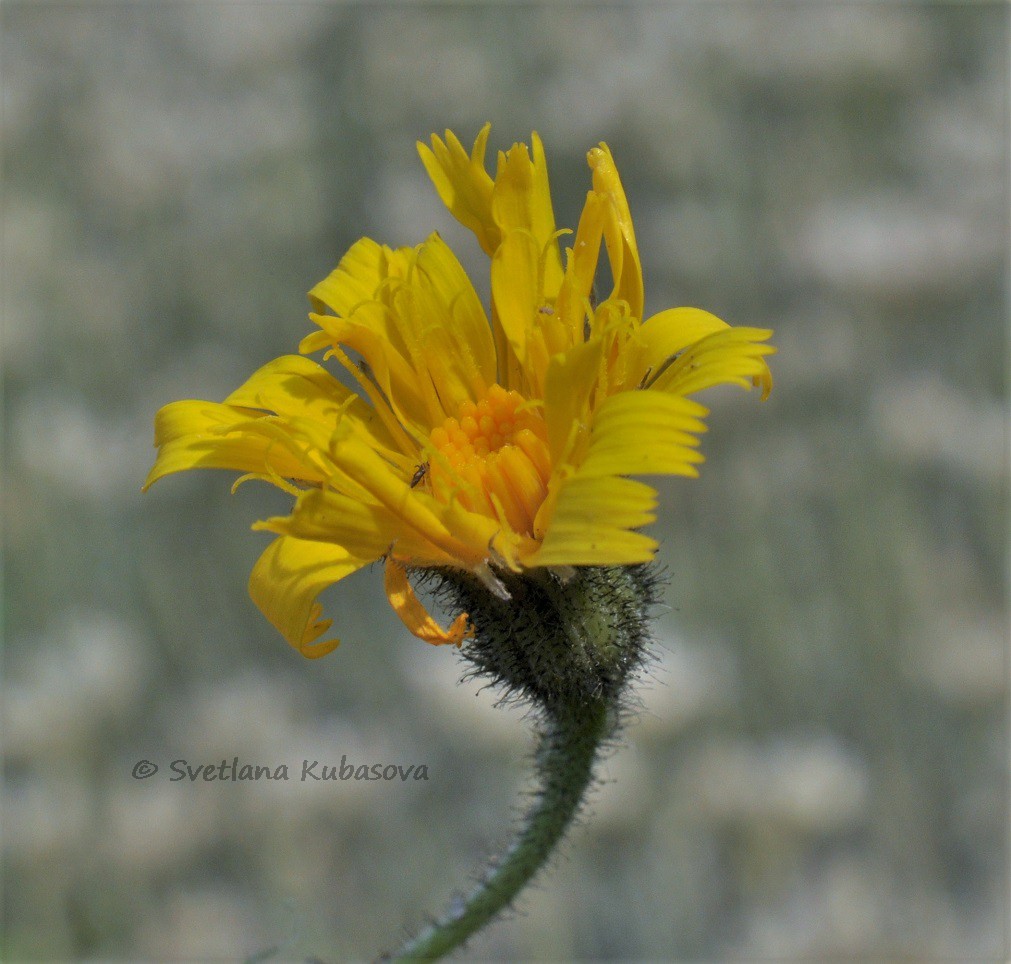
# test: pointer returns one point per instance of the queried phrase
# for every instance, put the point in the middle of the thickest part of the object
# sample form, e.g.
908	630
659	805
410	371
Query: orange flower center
493	457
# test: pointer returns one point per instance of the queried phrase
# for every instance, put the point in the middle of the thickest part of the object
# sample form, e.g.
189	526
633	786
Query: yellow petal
286	581
463	316
668	332
414	615
574	294
644	433
406	443
567	388
355	279
207	435
364	529
544	221
303	439
514	288
619	235
468	539
367	333
463	184
592	521
276	426
294	386
732	356
521	200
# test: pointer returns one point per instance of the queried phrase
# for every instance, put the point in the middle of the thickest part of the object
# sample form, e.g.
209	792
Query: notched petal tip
323	647
462	183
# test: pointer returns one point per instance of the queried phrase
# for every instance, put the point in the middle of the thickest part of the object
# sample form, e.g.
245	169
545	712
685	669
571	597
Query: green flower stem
567	644
570	741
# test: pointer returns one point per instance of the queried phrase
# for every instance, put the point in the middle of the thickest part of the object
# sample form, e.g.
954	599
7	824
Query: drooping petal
415	617
463	184
286	581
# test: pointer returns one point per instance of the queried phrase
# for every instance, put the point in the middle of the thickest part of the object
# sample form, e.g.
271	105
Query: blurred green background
819	769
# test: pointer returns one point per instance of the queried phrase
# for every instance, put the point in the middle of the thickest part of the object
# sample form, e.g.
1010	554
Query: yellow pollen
493	458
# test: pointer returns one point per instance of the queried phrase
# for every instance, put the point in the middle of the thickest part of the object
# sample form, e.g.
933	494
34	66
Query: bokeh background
819	768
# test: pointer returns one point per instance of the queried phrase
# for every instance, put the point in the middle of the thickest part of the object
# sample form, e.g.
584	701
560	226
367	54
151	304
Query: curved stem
568	749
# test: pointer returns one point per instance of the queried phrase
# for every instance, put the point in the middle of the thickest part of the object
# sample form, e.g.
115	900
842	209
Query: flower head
487	444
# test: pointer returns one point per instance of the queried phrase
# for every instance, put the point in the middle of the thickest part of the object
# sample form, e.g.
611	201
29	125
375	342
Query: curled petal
415	617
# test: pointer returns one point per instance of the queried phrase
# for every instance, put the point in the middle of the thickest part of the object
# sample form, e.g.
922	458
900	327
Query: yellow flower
481	446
